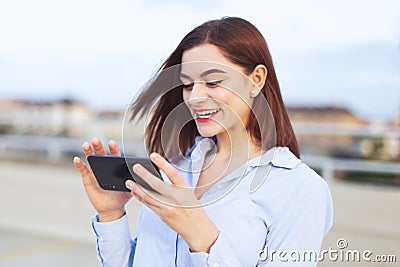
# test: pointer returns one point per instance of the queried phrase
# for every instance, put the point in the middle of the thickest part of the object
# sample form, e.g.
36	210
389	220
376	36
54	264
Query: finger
169	170
87	177
143	195
87	149
98	146
113	147
156	183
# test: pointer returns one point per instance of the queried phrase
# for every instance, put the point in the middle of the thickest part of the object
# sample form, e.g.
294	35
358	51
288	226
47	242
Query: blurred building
7	110
330	131
395	122
336	131
324	114
392	143
64	117
114	124
317	130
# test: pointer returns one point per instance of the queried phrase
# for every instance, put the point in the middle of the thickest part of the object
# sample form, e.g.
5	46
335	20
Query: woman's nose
198	92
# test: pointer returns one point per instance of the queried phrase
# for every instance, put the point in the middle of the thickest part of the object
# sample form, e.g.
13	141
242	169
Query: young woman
235	192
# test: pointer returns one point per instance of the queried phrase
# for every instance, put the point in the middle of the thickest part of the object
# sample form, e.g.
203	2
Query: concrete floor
19	249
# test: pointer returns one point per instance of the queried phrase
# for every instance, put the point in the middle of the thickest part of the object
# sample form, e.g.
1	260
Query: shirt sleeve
115	247
238	242
296	237
221	255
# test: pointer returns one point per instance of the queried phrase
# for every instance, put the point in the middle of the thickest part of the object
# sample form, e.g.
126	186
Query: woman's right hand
110	205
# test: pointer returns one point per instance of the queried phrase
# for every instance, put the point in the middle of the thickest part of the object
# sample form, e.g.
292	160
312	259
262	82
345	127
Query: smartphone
111	172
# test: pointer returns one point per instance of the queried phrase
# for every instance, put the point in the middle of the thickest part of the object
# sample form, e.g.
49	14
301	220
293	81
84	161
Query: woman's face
216	91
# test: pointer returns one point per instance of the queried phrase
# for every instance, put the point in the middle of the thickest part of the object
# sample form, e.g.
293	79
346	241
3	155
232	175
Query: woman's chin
207	132
209	129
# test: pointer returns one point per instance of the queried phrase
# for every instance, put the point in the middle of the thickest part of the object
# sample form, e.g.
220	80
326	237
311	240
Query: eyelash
187	87
212	84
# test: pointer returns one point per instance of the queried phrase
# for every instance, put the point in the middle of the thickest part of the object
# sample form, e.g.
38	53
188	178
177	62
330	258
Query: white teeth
206	113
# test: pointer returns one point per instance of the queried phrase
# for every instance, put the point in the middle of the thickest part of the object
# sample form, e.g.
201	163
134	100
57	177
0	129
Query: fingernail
155	156
111	142
137	168
129	184
95	139
85	145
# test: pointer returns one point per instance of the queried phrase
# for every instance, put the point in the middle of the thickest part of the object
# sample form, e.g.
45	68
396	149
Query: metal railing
55	149
329	165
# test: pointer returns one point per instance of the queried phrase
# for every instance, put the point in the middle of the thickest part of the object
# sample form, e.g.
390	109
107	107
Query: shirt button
101	238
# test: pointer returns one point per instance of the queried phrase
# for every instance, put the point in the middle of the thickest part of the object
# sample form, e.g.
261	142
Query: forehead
206	52
202	58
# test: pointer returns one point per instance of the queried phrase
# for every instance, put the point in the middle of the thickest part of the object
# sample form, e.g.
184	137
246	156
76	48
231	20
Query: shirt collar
283	158
280	157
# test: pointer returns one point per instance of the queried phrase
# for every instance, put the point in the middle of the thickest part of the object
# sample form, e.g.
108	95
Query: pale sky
99	52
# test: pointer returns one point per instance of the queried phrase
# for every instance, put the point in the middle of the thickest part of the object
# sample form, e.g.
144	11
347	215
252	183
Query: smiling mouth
206	114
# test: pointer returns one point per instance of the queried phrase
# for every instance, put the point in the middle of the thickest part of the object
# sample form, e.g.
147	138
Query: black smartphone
111	172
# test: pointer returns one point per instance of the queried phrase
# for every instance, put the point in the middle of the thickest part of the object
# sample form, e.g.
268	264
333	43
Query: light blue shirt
272	205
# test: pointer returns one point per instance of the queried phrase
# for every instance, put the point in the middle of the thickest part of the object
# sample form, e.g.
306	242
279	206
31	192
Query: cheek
185	96
231	99
238	105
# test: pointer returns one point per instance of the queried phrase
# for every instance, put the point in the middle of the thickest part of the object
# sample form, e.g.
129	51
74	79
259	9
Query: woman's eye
213	84
187	86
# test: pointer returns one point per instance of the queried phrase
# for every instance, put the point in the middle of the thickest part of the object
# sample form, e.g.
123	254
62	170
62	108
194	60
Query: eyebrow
205	73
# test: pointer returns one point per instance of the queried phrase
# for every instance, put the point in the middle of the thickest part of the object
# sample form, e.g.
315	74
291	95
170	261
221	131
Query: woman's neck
237	145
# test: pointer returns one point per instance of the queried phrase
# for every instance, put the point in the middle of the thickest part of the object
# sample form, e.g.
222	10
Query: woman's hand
110	205
176	205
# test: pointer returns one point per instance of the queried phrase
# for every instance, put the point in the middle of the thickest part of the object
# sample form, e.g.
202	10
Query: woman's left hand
176	204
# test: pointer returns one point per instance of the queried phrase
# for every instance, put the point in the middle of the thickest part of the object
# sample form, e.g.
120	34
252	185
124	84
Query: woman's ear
259	77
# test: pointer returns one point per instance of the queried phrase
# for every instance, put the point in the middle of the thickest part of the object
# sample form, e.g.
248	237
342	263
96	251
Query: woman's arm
114	244
110	225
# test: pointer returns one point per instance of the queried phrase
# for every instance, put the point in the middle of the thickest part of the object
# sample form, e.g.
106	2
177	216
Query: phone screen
111	172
